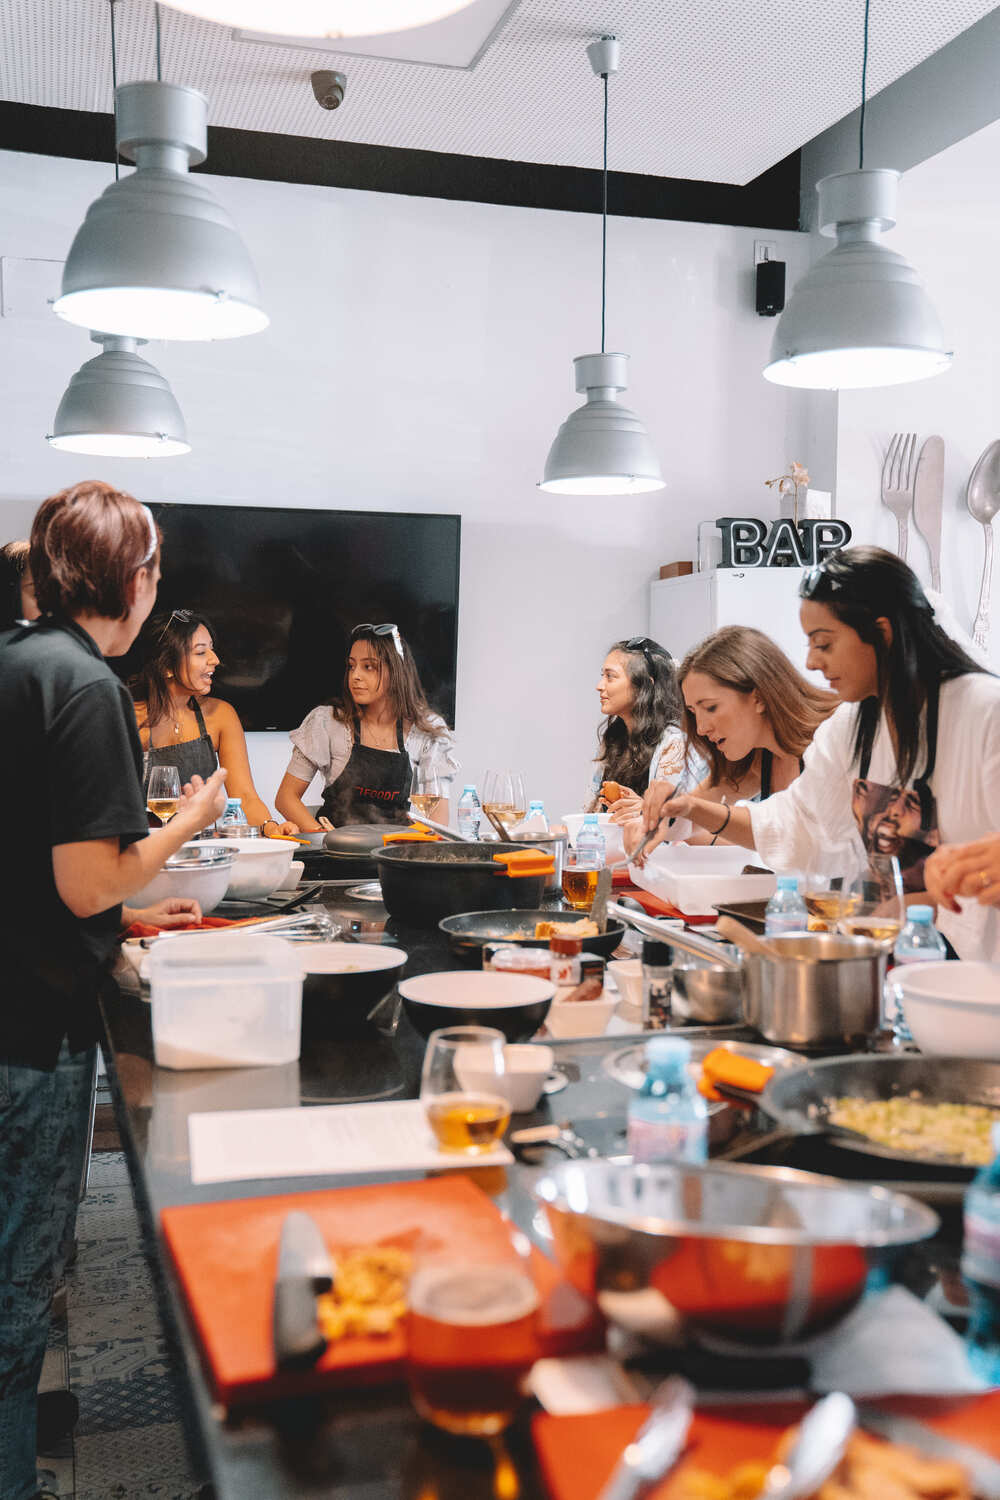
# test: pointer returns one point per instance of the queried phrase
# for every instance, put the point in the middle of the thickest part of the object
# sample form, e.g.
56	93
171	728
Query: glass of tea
460	1087
163	794
872	905
472	1338
579	882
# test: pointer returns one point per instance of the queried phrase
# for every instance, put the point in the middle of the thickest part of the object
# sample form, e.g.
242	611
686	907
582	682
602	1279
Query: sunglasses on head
392	630
820	578
185	616
649	649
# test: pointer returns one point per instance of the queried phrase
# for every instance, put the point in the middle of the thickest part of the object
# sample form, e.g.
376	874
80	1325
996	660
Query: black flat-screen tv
283	589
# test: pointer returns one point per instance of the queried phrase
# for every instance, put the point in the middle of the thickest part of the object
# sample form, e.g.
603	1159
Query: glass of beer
163	794
471	1339
873	905
461	1088
579	882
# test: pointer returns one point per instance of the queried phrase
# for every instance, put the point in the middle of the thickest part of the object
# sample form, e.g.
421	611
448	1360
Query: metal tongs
311	926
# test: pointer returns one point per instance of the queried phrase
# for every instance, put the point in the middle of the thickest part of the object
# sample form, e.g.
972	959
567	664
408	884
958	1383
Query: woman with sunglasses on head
641	739
367	743
181	725
919	722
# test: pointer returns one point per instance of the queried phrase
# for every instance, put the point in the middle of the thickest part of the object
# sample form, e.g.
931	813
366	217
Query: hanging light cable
325	18
860	316
602	448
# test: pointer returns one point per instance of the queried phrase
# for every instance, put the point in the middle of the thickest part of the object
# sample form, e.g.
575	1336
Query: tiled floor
109	1347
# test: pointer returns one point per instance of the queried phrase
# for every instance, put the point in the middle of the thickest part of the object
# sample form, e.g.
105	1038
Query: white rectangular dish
696	878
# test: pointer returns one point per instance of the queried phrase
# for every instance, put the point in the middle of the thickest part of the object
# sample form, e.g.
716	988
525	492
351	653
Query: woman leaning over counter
367	743
70	760
911	758
641	739
181	724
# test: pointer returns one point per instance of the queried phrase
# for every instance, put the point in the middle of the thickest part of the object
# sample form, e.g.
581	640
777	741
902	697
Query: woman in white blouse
367	743
911	758
641	739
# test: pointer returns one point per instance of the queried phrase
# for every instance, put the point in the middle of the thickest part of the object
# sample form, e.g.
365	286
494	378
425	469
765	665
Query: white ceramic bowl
515	1004
953	1009
580	1017
198	871
295	872
627	974
260	866
614	848
526	1068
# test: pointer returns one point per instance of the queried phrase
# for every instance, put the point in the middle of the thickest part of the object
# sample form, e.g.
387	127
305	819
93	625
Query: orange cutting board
226	1257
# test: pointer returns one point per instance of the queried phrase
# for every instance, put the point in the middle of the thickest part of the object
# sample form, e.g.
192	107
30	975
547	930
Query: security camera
329	88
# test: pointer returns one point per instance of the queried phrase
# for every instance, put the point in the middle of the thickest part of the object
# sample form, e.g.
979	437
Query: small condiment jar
564	960
514	960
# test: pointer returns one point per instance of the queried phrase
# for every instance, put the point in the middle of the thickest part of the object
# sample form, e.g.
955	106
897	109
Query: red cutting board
226	1256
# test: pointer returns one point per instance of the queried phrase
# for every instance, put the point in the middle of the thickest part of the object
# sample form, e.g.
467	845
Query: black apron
900	820
191	757
374	786
767	771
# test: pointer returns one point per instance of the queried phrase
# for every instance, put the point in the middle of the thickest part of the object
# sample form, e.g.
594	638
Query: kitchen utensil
515	1004
754	1255
819	989
497	825
750	913
982	496
469	931
657	1445
441	828
983	1471
342	984
928	490
800	1100
305	1270
198	870
822	1438
952	1009
423	882
369	890
560	1135
305	926
897	482
599	906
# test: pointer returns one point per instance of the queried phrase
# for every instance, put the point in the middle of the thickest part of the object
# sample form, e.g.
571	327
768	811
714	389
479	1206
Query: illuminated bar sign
750	543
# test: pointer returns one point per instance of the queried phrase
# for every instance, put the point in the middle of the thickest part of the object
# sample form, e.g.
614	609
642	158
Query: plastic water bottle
786	910
233	818
590	845
668	1118
537	810
981	1266
918	942
470	812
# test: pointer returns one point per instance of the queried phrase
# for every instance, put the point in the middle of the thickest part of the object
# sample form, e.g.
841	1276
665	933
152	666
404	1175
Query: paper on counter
320	1140
892	1343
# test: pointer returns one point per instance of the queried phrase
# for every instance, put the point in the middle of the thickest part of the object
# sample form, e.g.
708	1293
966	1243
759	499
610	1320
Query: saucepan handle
678	937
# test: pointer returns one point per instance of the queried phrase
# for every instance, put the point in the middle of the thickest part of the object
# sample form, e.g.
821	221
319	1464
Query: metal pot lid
356	838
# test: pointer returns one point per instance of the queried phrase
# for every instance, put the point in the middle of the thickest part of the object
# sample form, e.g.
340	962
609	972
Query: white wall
949	228
419	358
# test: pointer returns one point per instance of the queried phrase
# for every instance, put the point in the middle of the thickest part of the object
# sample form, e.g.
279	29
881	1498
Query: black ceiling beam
770	201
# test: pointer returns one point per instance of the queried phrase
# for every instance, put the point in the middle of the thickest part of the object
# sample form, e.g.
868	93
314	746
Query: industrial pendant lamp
860	317
602	448
119	406
156	256
325	18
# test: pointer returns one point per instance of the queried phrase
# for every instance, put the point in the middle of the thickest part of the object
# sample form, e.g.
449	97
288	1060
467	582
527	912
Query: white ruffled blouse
323	744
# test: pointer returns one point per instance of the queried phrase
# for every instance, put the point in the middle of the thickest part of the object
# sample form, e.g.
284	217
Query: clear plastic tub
225	1000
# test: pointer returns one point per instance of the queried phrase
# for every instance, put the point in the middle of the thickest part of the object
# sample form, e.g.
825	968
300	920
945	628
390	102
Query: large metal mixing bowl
749	1255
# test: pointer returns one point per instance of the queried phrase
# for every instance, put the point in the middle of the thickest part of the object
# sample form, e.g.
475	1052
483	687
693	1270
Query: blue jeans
43	1124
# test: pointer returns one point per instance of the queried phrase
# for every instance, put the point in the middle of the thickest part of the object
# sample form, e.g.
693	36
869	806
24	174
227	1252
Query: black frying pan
468	932
799	1099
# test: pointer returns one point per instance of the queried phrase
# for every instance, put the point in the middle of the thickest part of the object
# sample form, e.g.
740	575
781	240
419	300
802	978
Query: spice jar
657	982
564	960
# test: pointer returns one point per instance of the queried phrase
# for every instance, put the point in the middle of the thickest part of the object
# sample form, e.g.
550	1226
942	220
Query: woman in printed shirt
919	719
367	743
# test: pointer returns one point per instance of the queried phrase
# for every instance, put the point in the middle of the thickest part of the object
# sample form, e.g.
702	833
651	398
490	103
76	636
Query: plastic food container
697	878
225	1000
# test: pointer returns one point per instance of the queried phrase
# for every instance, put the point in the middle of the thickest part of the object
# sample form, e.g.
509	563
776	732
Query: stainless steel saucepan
809	990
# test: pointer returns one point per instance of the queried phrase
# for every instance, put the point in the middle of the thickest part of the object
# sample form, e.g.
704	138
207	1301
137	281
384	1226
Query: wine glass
503	796
872	904
427	791
163	794
461	1086
823	894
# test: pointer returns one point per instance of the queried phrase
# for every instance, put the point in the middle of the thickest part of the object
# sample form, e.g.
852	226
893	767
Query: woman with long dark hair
367	742
911	757
641	738
181	724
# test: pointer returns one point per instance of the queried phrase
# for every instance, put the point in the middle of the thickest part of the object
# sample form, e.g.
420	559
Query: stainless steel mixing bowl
746	1255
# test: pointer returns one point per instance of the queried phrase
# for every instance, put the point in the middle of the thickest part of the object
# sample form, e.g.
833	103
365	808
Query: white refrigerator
683	611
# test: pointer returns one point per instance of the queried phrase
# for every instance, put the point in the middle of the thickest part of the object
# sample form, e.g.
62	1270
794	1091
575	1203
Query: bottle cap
566	947
468	787
590	818
920	914
656	953
788	882
672	1050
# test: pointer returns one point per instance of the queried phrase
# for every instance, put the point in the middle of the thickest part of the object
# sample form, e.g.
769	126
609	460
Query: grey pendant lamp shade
860	316
602	448
119	406
326	18
157	257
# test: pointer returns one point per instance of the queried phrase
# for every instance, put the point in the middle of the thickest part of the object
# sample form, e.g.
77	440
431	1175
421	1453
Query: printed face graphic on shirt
891	822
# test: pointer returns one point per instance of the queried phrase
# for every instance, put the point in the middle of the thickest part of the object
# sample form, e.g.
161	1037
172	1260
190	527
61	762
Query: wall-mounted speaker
770	287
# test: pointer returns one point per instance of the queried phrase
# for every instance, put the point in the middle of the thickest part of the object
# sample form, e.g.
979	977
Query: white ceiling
709	89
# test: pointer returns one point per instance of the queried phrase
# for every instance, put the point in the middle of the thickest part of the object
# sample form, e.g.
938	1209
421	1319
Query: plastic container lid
565	946
920	914
788	882
656	953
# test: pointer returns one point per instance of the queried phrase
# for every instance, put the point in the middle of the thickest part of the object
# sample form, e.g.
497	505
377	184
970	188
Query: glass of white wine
823	894
461	1088
163	793
427	791
503	796
872	904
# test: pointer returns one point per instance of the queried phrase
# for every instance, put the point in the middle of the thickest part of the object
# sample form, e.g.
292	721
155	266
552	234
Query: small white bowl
627	974
260	866
295	873
614	847
526	1068
580	1017
952	1009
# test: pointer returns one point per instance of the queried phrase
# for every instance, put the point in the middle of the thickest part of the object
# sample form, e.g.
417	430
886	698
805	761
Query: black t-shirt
70	770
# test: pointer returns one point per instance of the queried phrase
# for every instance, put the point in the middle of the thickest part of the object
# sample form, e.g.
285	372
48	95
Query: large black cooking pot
423	882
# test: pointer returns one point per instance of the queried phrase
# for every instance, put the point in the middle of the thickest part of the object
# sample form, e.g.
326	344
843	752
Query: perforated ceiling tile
711	89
